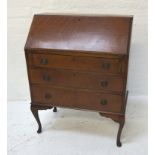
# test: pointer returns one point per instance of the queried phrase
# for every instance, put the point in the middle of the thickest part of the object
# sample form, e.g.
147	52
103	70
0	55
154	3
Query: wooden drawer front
72	98
66	78
77	63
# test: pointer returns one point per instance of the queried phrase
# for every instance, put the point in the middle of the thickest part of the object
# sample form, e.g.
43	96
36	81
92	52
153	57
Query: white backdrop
20	15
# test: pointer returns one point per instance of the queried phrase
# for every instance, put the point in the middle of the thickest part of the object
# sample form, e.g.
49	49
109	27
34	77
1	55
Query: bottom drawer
78	99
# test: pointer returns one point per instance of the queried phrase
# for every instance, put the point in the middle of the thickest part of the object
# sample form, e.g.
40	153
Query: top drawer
107	65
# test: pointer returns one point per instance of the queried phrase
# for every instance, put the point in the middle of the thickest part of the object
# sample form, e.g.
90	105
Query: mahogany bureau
79	62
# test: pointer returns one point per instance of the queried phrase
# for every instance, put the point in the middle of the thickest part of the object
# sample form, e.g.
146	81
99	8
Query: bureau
79	62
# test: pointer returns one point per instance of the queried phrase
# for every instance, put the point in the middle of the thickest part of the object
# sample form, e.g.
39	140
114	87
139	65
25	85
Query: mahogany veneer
79	62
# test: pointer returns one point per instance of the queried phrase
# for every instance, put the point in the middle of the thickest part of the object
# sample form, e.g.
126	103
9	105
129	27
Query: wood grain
78	63
77	80
109	34
66	97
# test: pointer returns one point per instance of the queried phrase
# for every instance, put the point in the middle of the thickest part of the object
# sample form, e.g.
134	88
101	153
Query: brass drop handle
106	65
44	61
48	96
104	83
104	102
46	77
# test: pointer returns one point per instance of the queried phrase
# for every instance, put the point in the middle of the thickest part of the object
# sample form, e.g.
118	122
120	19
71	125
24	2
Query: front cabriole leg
118	119
34	111
121	125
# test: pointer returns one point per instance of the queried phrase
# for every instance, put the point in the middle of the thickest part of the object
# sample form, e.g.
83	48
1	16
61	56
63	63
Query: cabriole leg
55	109
34	111
121	125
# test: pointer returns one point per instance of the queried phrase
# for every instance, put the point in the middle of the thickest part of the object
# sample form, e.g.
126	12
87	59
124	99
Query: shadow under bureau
79	62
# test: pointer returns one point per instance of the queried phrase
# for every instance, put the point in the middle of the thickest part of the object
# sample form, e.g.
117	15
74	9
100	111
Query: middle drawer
74	79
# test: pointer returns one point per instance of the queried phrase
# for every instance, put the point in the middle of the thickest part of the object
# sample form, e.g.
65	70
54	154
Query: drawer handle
104	83
46	77
48	96
106	65
44	61
104	102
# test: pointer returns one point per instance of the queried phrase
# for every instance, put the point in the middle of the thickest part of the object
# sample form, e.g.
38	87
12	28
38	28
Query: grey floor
74	132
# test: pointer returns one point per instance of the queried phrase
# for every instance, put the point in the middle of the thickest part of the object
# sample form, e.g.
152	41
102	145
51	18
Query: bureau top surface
107	34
